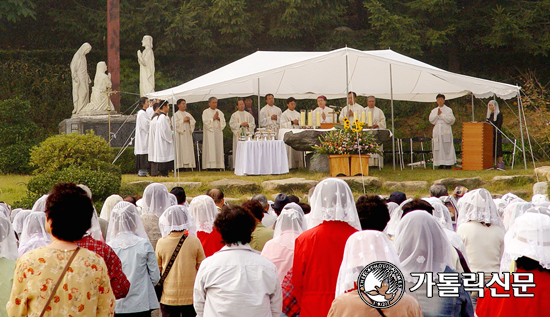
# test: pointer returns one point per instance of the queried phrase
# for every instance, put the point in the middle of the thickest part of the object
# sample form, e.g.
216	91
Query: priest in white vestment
164	142
290	119
213	122
326	113
442	142
184	125
241	123
375	119
142	137
152	140
270	115
352	110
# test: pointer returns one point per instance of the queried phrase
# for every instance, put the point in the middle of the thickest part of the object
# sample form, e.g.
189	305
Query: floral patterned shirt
84	291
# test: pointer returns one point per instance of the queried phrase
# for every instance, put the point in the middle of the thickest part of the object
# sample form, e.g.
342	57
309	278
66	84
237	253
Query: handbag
59	280
159	286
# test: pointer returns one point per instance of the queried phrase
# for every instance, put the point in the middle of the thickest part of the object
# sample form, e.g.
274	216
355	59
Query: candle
369	119
310	119
363	116
302	118
318	121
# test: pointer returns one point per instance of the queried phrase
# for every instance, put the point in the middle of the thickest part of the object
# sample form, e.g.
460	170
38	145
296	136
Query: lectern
477	146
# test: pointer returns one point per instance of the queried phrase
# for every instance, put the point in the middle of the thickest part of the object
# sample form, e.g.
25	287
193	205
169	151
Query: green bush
127	160
101	183
87	151
18	134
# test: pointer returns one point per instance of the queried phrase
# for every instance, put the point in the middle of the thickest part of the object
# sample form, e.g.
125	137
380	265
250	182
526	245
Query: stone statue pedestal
122	127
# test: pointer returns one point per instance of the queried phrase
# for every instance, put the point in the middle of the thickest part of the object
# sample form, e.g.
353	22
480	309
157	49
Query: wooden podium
477	146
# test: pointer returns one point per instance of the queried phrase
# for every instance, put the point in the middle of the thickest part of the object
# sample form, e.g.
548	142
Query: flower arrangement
348	138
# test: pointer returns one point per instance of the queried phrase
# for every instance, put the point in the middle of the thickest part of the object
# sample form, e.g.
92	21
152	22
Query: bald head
217	195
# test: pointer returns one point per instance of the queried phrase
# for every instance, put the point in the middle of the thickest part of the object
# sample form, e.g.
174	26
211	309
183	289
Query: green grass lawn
12	187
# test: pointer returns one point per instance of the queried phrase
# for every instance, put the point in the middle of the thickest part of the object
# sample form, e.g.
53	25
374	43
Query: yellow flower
346	127
354	130
346	120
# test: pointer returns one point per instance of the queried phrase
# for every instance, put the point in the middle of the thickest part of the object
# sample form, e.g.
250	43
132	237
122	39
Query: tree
15	10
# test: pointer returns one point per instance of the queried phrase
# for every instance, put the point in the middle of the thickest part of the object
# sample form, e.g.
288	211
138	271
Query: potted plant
348	148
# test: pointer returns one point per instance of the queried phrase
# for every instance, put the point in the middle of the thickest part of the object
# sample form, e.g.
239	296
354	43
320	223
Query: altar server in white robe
241	122
152	140
164	141
184	125
375	119
442	142
352	109
142	137
326	113
290	119
213	122
270	115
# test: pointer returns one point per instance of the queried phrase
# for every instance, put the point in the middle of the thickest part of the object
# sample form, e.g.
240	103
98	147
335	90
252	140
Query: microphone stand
504	134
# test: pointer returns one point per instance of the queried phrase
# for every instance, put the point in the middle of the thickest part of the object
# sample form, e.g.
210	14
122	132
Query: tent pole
392	121
258	103
521	130
473	117
176	173
528	137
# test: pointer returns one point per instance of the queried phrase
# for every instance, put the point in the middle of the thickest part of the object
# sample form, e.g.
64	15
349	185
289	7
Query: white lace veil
40	204
156	199
19	220
14	213
477	205
509	197
8	242
125	226
108	205
497	110
177	218
204	212
4	210
539	199
34	233
141	207
529	236
392	207
362	248
501	206
395	218
441	213
332	200
173	199
292	223
514	210
422	245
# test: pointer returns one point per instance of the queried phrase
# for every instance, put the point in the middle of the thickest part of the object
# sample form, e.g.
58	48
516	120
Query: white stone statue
146	60
81	80
100	101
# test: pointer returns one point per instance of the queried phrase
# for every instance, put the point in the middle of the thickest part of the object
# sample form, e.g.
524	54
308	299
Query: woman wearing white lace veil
395	218
204	212
527	246
482	231
319	250
156	199
422	246
5	210
40	204
8	256
280	250
539	199
177	218
34	233
443	217
128	239
514	210
173	199
362	248
18	222
108	205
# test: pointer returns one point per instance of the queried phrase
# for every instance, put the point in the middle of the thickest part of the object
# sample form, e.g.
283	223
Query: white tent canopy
306	75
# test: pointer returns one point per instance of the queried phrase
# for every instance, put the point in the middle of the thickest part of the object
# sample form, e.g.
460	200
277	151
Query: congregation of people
159	140
290	257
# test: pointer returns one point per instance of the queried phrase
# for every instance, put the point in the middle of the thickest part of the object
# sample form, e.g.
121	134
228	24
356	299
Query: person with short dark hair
443	149
290	119
249	107
179	192
280	202
221	288
269	214
37	271
141	144
241	124
213	122
294	199
352	110
164	142
130	199
218	197
438	190
373	212
270	115
184	125
417	204
325	113
151	141
261	234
